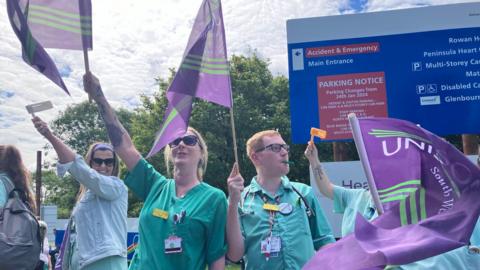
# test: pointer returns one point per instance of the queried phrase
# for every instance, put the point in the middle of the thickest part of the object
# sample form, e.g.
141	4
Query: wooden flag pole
85	60
234	135
87	67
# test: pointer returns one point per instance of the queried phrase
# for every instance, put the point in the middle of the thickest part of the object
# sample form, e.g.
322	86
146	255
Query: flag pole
87	67
362	153
234	136
232	119
81	6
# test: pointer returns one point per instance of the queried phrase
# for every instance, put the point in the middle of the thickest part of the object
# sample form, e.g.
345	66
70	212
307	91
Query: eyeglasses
108	161
189	140
274	147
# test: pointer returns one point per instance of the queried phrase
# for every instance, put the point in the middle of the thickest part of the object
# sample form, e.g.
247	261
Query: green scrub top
202	227
300	235
351	201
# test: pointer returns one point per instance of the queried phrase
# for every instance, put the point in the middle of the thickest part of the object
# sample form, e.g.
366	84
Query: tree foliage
260	102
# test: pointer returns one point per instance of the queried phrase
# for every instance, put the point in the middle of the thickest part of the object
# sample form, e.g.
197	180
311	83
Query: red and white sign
338	95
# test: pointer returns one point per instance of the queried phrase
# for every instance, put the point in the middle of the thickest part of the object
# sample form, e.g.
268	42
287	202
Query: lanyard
308	209
271	213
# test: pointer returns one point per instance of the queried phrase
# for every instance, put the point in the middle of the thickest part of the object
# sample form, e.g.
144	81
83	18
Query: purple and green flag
429	191
61	24
203	73
39	24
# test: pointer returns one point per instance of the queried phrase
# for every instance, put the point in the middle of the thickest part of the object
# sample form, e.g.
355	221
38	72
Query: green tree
61	192
260	102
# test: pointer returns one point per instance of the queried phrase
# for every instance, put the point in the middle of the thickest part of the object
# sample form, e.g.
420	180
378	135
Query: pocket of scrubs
191	230
251	223
298	220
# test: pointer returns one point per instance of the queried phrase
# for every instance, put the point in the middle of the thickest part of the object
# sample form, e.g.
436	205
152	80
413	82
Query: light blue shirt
352	201
349	202
3	189
299	234
100	216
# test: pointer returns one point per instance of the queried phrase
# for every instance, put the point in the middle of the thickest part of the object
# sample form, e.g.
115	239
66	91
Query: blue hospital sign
421	65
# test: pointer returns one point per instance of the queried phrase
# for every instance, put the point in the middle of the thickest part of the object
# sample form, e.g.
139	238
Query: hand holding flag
429	190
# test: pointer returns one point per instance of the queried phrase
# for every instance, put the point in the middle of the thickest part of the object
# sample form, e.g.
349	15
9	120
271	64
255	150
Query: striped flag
61	24
429	191
203	73
32	51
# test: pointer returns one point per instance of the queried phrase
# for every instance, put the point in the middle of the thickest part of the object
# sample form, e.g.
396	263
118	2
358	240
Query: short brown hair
256	141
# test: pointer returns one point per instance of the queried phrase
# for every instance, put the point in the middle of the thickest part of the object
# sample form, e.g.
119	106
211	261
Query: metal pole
38	181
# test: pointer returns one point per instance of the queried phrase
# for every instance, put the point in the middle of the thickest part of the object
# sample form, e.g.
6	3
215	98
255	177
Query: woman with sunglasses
182	222
97	232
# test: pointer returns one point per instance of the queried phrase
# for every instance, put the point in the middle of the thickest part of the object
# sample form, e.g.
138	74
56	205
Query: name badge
160	213
173	244
271	207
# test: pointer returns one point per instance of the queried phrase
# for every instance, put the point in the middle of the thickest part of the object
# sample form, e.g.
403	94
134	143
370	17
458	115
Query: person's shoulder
301	187
210	190
5	180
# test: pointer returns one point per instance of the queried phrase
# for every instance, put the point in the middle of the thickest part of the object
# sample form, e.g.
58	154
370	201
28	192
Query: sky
135	42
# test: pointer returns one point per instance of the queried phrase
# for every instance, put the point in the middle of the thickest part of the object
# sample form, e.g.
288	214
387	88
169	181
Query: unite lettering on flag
203	73
429	191
40	24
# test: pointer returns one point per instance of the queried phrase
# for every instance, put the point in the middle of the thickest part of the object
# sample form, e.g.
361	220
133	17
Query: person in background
44	260
14	171
281	223
349	202
98	226
54	252
182	222
14	176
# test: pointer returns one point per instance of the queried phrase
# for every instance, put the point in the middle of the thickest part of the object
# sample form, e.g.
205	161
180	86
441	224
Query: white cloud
137	41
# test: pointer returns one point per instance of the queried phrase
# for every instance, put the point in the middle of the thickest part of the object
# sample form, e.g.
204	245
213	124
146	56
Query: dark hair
12	164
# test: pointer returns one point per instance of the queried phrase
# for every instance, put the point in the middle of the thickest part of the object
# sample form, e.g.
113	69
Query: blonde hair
11	163
202	164
88	159
256	141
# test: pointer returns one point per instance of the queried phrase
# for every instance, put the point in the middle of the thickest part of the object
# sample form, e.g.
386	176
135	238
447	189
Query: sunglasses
274	147
189	140
108	161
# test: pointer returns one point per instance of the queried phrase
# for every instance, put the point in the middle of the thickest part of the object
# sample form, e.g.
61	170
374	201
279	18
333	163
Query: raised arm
236	246
121	141
321	178
64	152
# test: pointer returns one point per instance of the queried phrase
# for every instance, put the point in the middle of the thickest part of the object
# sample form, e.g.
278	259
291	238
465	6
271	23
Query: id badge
173	244
271	246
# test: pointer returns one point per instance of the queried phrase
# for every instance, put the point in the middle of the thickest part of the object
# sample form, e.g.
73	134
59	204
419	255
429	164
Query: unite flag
429	191
203	73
